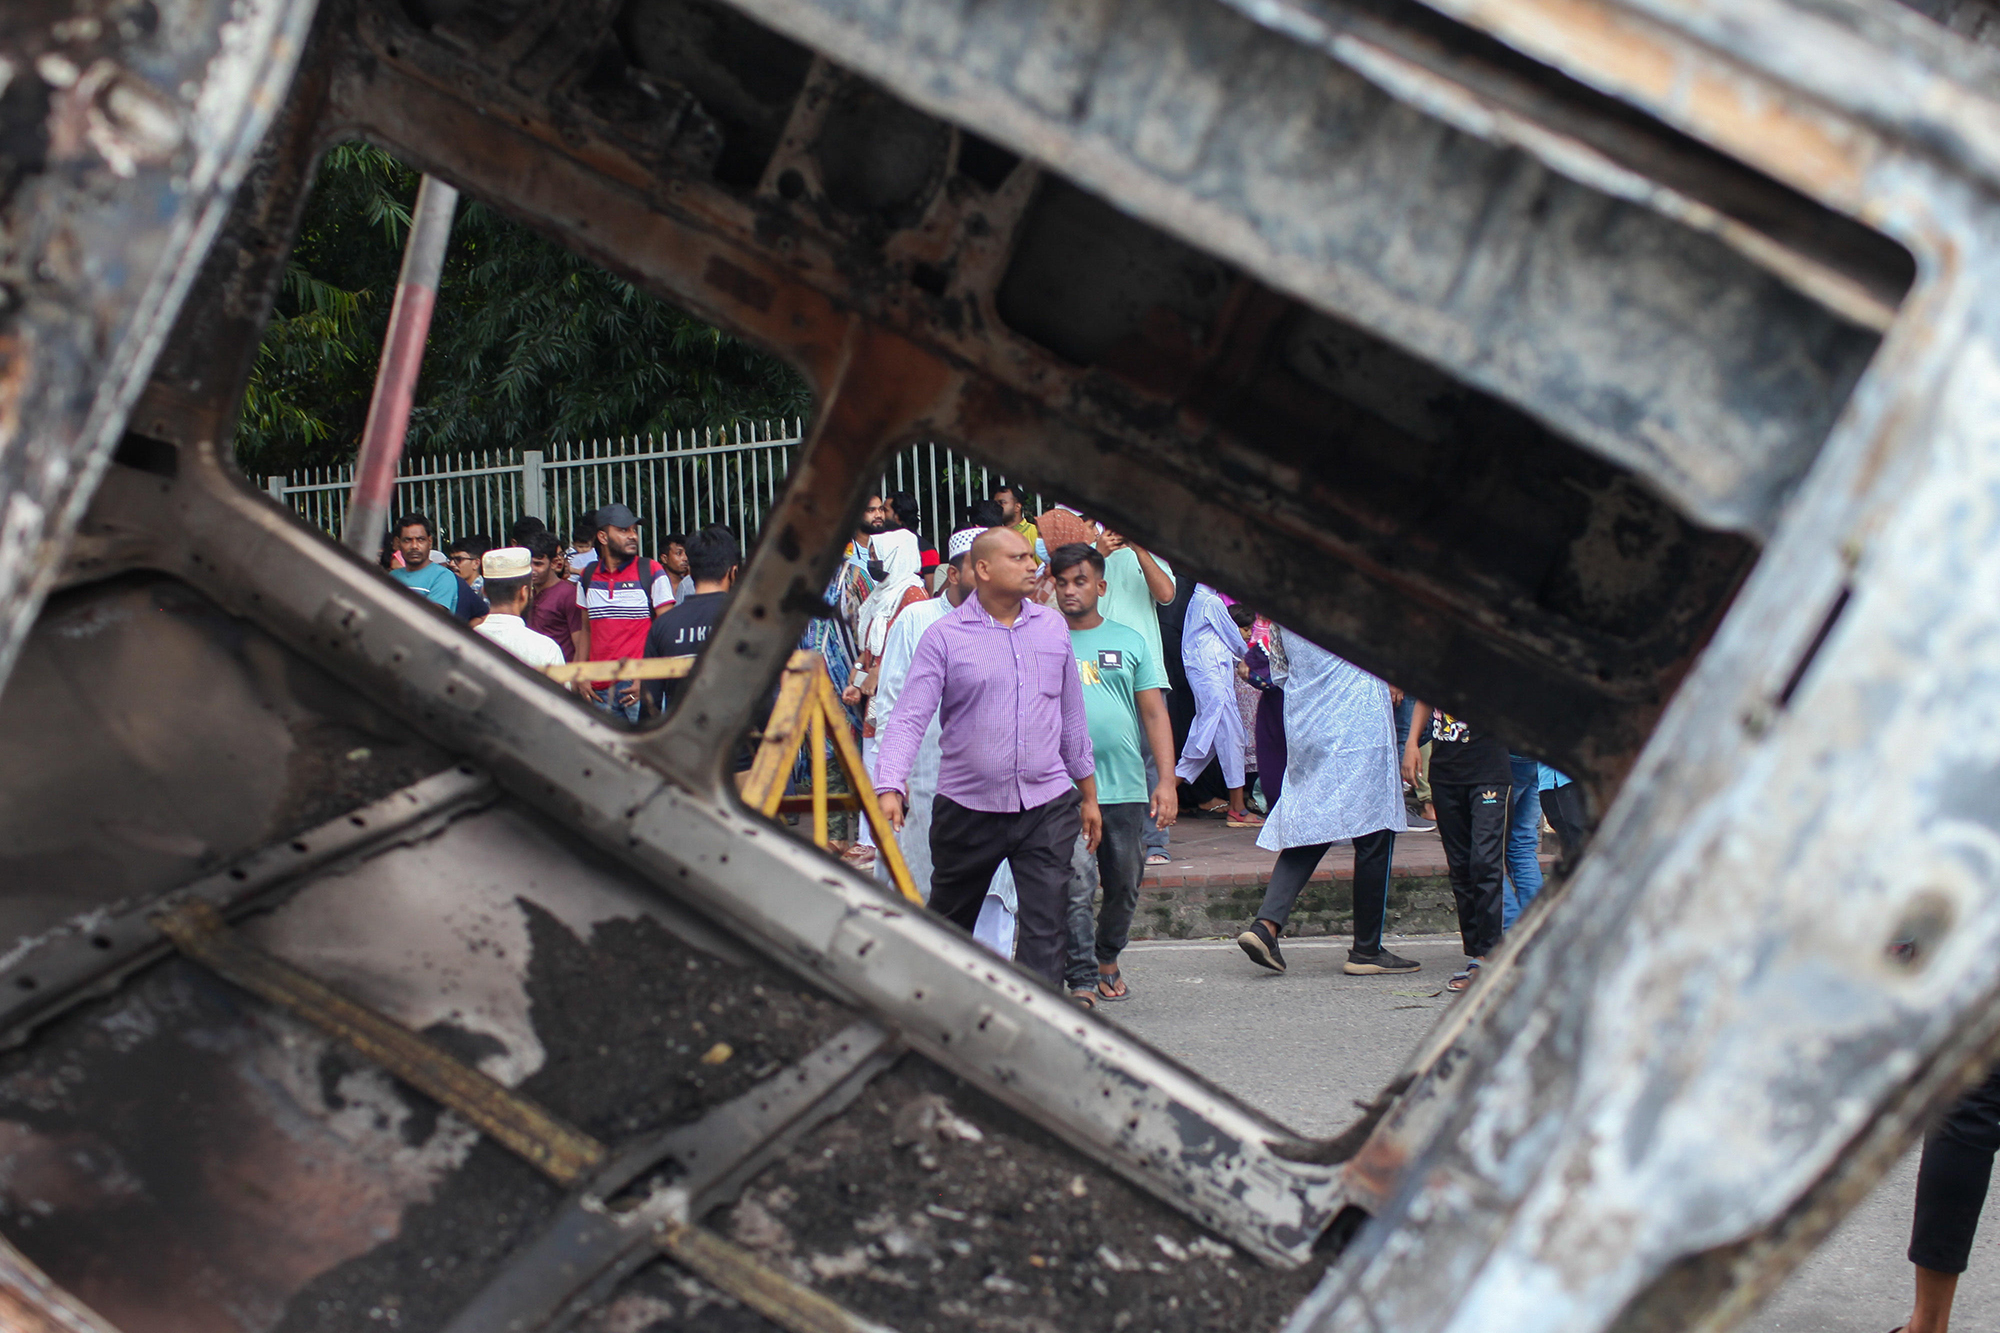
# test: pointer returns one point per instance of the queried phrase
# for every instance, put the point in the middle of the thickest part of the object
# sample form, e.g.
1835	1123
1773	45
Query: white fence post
276	486
534	494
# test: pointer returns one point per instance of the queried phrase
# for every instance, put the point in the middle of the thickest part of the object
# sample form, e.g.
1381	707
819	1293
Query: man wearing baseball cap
506	572
622	592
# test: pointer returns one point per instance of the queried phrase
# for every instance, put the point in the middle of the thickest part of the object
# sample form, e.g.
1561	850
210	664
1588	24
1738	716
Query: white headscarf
900	562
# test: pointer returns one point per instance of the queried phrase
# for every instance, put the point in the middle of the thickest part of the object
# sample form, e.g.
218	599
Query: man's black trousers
967	846
1951	1182
1472	824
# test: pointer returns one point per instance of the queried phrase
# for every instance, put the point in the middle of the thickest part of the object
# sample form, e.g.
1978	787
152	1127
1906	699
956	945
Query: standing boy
712	555
1470	779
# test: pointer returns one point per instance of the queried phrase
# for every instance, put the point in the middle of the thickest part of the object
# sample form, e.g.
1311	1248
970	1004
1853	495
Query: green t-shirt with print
1114	665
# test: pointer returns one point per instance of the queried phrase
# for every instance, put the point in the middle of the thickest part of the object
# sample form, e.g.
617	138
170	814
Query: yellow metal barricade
808	713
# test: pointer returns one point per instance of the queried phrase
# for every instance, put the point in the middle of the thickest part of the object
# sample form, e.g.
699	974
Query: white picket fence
680	484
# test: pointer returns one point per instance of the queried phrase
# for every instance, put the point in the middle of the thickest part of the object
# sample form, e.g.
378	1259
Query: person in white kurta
995	928
1343	781
1211	646
505	571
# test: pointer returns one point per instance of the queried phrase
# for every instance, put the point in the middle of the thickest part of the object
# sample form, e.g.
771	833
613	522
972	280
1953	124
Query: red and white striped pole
396	378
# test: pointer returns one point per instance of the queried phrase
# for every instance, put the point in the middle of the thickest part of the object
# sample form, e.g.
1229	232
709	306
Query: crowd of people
1037	706
1040	702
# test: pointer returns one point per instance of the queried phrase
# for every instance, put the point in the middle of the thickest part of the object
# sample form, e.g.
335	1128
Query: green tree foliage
529	344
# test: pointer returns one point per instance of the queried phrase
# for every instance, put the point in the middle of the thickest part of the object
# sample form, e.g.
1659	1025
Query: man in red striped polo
622	592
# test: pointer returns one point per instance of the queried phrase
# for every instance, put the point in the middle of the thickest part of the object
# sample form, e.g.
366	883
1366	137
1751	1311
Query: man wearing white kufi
506	573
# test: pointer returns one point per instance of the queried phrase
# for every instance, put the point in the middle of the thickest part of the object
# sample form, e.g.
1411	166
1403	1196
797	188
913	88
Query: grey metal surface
589	1245
1598	315
44	973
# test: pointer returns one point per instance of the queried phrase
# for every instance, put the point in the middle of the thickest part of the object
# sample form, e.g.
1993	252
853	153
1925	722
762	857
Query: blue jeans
610	704
1524	842
1115	868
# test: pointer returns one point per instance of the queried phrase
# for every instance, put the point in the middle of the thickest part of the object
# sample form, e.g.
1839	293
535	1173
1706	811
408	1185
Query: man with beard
622	592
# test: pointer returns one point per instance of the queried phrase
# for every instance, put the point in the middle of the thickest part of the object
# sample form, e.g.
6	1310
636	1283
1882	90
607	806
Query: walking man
622	592
1341	781
1015	772
995	928
1122	684
1470	777
1211	646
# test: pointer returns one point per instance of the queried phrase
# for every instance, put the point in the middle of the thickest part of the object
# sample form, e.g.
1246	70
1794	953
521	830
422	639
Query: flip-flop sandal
1116	978
1084	999
1245	820
1159	859
1461	982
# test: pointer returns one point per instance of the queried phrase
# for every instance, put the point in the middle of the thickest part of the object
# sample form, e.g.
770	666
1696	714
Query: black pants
1372	855
967	846
1951	1182
1472	824
1563	808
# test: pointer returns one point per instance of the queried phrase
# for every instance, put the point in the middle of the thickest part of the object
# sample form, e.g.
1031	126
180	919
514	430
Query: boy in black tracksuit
1470	780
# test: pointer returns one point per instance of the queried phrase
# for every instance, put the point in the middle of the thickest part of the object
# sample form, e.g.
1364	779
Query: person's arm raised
1158	582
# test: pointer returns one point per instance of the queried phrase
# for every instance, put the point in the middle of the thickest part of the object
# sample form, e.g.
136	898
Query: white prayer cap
506	562
961	542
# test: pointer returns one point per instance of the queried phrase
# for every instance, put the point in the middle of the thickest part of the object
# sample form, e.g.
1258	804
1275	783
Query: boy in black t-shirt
1470	779
683	629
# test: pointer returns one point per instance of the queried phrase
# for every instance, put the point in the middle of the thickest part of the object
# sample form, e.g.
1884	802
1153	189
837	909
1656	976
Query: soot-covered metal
1618	372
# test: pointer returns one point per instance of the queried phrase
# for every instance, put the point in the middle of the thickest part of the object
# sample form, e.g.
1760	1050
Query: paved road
1305	1045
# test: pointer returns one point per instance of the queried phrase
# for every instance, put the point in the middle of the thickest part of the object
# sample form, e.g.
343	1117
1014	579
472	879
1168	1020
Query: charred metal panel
127	803
1389	322
124	130
1660	345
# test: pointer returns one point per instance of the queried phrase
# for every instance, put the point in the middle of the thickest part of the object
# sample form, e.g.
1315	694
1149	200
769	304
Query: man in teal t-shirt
1123	681
413	541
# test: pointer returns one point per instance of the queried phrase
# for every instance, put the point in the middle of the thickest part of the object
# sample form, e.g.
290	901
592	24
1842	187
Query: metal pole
402	356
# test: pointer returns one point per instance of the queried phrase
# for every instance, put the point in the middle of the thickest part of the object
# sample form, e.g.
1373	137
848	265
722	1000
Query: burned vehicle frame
1616	371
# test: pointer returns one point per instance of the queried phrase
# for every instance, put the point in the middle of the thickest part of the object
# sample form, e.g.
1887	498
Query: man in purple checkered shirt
1016	779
